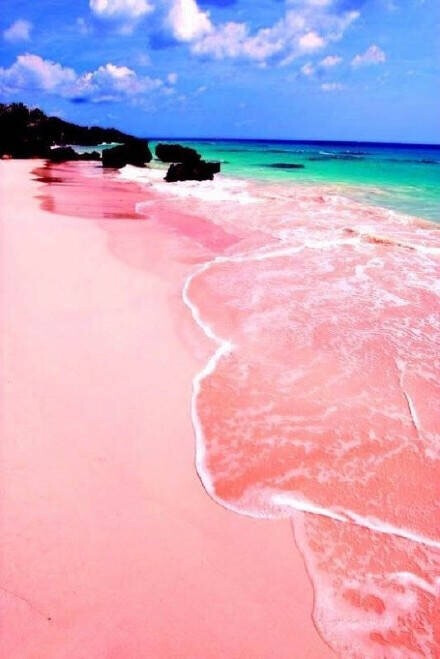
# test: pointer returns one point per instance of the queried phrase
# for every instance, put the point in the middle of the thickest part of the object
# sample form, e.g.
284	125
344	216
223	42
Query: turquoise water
401	177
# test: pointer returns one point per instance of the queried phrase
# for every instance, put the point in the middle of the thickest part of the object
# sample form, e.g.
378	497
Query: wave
284	151
413	161
336	156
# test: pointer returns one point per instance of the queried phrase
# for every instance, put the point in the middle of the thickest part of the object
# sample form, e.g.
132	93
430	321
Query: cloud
112	83
307	26
172	78
124	14
330	61
373	55
331	86
308	69
31	72
310	41
128	9
107	83
20	30
187	21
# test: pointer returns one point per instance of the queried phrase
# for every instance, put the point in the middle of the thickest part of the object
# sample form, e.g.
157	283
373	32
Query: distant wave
336	156
416	161
285	151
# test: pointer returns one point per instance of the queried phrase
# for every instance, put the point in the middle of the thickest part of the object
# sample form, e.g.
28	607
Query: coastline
111	547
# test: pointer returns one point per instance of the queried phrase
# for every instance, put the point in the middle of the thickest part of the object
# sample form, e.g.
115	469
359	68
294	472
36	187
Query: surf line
226	347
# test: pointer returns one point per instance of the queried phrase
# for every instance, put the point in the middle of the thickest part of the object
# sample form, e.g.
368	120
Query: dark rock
196	171
134	153
63	153
90	155
286	165
177	153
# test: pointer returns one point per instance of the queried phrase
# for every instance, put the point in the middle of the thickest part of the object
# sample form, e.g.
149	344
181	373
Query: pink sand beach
111	547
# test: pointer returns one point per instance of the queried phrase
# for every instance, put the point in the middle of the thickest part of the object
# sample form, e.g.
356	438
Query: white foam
224	347
304	506
280	503
220	189
409	578
282	500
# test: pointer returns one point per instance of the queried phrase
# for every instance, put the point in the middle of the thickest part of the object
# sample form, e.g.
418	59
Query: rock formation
133	153
63	153
199	171
187	163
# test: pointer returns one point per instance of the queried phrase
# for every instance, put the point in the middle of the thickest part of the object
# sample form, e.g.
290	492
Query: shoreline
81	354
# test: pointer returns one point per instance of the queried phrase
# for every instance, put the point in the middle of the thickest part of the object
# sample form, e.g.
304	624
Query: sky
269	69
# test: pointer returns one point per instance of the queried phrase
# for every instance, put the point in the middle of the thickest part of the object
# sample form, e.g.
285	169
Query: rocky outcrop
134	153
187	163
177	153
26	133
197	171
63	153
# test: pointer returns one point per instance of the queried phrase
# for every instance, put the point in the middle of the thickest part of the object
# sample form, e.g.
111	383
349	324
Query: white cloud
308	26
187	21
331	86
107	83
31	72
311	41
308	69
20	30
172	78
225	41
305	27
124	14
373	55
330	61
125	9
111	82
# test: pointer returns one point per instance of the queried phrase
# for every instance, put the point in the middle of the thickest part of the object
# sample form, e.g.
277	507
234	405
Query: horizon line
292	141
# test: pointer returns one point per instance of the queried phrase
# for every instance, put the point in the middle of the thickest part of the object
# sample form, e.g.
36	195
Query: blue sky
298	69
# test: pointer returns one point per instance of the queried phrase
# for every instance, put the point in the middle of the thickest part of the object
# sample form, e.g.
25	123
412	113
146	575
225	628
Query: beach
220	329
111	546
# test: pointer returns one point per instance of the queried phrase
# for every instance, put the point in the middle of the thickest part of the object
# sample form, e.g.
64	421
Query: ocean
402	177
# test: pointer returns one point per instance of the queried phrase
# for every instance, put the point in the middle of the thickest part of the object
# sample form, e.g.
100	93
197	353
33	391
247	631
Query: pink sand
110	546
